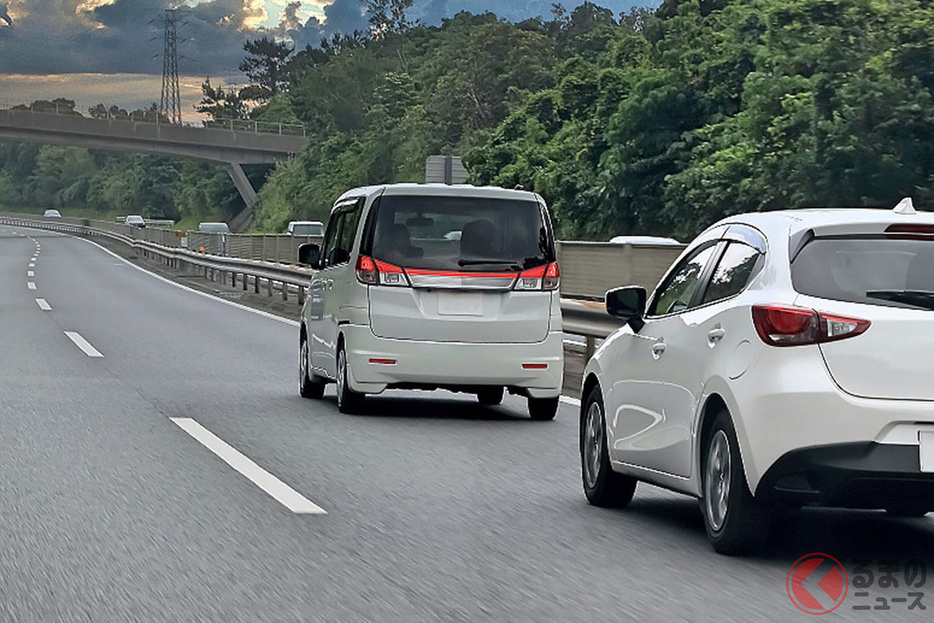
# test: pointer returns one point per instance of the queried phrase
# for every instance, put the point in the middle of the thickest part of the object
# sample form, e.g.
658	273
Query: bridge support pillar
242	183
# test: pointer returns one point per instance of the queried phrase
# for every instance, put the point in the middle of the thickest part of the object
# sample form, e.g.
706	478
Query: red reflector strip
455	273
387	362
535	366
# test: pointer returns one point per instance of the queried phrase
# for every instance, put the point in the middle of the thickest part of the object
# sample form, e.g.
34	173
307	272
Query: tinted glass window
331	238
733	271
348	231
875	270
461	233
676	293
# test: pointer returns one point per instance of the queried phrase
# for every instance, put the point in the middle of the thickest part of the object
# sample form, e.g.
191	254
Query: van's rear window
876	270
460	233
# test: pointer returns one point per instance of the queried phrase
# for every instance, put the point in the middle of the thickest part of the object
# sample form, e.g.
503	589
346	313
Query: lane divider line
570	400
283	493
32	264
31	285
30	273
43	305
83	344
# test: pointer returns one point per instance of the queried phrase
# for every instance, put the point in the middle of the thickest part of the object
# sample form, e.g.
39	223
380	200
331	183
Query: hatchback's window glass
733	272
461	233
880	271
676	293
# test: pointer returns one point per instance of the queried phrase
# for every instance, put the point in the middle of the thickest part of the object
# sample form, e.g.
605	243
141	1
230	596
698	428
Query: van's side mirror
628	304
309	254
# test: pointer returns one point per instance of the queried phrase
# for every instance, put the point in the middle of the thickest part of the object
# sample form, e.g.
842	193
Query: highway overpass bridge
231	147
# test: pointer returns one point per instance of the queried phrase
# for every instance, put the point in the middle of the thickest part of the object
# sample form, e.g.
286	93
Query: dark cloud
290	20
126	36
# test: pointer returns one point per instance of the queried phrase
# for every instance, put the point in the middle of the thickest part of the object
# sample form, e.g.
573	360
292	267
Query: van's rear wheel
348	401
490	395
310	385
543	408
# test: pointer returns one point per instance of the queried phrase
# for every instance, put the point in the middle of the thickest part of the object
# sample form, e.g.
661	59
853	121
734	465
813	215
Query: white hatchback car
784	360
398	302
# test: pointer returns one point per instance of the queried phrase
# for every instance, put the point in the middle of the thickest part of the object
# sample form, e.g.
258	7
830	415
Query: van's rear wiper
918	298
509	264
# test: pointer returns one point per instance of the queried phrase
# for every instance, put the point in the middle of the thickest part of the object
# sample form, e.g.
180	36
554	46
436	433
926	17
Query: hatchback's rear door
887	280
454	268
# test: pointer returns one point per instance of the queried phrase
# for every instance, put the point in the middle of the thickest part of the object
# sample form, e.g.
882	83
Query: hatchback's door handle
716	334
658	348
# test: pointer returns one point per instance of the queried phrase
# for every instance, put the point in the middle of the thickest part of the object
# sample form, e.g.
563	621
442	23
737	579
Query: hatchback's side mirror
628	304
310	254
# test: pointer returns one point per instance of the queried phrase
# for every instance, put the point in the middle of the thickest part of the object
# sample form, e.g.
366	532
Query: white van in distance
428	286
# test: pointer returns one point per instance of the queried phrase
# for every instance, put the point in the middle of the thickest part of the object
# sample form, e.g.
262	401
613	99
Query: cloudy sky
109	51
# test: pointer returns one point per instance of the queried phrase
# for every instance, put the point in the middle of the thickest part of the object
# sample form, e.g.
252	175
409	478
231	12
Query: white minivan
398	301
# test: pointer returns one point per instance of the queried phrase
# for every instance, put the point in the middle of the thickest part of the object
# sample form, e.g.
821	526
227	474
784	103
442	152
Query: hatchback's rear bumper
850	475
376	364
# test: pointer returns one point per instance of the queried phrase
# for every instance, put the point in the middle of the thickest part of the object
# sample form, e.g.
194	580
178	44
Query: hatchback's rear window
460	233
876	270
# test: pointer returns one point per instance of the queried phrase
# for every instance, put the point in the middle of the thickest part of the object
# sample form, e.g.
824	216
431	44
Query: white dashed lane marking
83	344
43	305
31	285
283	493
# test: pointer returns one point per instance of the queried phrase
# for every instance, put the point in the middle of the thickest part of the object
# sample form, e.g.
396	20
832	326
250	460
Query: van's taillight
796	326
545	277
376	272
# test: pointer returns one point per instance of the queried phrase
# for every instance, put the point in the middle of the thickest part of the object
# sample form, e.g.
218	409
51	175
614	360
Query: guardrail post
269	287
589	348
245	276
301	295
255	284
285	291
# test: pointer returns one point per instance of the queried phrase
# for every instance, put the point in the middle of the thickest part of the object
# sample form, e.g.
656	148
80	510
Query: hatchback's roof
450	190
793	221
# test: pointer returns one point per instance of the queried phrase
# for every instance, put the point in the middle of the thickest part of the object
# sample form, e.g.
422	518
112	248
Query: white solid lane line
31	285
83	344
283	493
571	401
43	305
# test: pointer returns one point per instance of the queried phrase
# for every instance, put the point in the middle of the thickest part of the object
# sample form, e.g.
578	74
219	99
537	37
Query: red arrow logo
817	583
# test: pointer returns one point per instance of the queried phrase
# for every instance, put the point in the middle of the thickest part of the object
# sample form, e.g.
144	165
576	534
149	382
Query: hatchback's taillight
376	272
545	277
796	326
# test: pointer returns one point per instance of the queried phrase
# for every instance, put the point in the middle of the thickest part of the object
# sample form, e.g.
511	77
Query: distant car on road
306	228
135	220
397	303
213	228
784	360
52	214
644	240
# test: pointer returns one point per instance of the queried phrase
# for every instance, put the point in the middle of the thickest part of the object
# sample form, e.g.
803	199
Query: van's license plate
926	442
460	303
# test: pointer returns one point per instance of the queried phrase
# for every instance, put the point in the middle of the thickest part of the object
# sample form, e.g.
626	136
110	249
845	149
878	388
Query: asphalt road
437	509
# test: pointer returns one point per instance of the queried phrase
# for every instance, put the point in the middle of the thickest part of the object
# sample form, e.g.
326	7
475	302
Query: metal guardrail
586	318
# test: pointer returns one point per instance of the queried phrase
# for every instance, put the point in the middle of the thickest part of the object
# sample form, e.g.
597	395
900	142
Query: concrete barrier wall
589	269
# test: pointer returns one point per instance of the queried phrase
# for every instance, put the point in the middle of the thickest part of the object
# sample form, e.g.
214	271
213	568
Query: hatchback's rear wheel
490	395
602	486
348	401
736	522
543	408
310	385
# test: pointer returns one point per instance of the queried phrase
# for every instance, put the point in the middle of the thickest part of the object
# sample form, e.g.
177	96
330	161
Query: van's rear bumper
453	364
